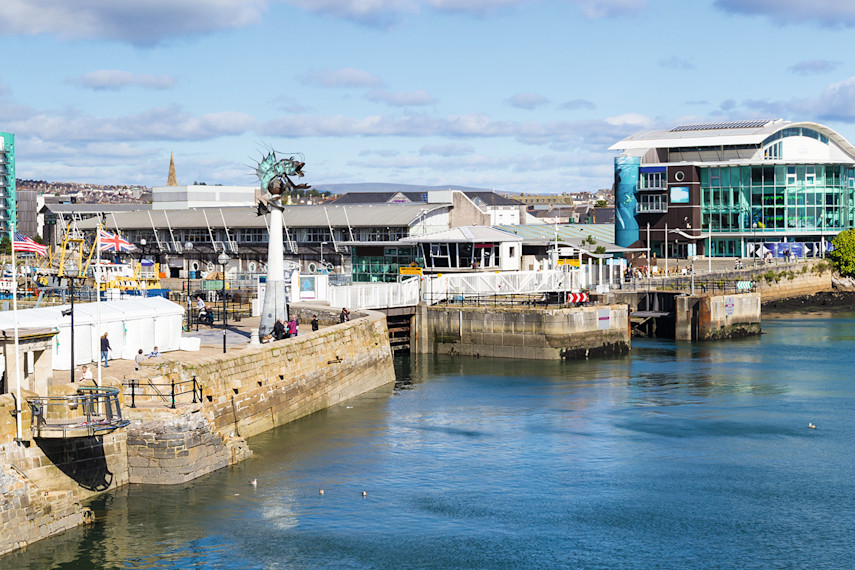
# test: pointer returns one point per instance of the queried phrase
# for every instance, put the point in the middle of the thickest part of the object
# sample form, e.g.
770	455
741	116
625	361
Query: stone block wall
253	390
43	481
793	280
532	333
714	317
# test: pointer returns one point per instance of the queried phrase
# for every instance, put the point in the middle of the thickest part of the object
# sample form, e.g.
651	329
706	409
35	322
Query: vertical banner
626	199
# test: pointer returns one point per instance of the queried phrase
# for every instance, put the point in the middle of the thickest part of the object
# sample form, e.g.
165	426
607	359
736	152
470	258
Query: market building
734	189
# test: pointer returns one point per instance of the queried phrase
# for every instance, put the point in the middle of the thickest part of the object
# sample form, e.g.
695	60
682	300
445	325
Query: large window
652	180
652	203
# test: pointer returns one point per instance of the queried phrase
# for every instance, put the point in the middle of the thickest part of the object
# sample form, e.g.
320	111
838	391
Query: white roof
722	134
464	234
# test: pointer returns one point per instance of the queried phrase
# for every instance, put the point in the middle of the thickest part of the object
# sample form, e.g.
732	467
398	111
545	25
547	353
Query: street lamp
71	272
222	260
188	247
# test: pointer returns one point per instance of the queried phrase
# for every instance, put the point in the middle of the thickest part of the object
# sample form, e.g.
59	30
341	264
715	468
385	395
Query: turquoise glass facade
8	194
765	202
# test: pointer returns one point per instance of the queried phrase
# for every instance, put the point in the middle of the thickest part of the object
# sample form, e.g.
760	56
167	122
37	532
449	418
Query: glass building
8	194
734	189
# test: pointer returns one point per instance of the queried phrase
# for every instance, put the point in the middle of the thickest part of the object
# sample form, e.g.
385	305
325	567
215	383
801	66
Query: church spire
171	181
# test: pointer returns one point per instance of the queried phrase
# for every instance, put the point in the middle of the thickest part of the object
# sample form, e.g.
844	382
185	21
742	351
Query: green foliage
600	250
601	204
5	244
590	239
843	255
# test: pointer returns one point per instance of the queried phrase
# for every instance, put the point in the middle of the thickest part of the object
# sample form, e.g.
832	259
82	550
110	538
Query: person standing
279	330
140	357
314	323
292	327
105	349
344	315
154	353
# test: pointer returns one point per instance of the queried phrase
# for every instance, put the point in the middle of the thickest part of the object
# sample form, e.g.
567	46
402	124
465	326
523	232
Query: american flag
110	242
23	243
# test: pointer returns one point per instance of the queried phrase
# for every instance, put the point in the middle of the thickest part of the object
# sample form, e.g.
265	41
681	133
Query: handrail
93	410
135	389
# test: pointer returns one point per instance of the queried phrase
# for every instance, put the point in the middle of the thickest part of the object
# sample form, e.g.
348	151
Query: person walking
105	349
314	323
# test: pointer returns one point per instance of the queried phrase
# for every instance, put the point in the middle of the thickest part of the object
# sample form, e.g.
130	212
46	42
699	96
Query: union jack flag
23	243
110	242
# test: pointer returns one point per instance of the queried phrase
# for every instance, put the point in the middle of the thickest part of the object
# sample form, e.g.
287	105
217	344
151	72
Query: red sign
577	297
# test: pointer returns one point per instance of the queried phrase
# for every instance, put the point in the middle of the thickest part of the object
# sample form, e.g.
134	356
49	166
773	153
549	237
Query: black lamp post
223	259
70	274
188	247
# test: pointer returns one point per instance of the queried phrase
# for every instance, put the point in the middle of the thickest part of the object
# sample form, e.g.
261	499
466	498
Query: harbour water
674	456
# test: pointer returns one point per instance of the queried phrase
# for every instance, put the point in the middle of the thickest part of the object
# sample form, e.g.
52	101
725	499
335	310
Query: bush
843	254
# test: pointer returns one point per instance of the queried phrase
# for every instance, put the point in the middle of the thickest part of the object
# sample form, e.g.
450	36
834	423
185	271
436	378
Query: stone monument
274	175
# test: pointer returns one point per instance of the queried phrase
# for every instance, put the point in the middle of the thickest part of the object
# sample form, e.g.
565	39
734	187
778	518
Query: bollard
194	389
173	395
133	394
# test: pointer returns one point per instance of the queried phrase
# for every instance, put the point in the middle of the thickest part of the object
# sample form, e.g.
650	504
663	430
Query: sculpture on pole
275	174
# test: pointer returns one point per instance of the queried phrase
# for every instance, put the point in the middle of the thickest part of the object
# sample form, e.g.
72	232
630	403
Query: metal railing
167	393
92	411
541	300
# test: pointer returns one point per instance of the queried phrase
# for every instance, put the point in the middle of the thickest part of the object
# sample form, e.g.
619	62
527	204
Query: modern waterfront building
8	197
734	189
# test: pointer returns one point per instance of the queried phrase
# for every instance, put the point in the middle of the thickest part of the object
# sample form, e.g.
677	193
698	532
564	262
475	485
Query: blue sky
521	96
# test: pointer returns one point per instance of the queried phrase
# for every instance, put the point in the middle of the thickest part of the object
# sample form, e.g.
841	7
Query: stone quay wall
248	392
793	280
44	481
714	317
533	333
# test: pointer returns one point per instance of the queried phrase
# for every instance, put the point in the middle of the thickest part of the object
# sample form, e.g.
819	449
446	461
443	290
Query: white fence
438	289
375	295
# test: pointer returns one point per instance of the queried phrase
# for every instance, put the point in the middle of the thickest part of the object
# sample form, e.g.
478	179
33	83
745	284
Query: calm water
677	456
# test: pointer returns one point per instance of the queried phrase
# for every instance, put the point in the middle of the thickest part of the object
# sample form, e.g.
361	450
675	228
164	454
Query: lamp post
70	273
223	259
188	247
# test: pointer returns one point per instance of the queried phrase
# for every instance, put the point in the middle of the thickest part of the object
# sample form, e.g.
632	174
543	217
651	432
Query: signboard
743	285
728	306
572	262
577	297
410	270
603	322
679	194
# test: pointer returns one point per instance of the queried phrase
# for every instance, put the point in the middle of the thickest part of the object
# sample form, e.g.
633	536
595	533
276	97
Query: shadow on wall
81	459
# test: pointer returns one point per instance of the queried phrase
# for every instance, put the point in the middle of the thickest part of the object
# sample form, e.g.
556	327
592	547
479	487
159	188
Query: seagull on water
811	426
254	482
320	491
364	494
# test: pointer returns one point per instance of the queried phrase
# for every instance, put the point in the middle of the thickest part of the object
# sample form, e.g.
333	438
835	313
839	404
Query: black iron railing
169	393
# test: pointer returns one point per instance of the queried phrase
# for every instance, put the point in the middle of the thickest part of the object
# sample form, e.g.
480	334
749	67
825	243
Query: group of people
86	372
285	330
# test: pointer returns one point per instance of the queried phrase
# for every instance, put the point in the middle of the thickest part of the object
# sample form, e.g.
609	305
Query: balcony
94	410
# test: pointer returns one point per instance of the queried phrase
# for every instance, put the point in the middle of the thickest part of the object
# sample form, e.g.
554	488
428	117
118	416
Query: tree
5	244
843	254
601	204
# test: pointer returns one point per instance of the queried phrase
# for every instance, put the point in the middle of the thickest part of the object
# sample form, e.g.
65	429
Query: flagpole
96	276
19	429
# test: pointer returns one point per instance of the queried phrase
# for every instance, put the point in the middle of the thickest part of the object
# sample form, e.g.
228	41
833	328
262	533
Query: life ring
103	278
210	266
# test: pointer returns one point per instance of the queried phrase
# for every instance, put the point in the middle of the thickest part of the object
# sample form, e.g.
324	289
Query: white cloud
574	104
343	77
451	149
677	63
631	119
527	100
115	80
387	152
814	67
401	98
143	23
828	13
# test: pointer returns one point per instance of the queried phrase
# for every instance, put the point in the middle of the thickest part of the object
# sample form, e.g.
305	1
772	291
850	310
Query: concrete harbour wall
533	333
714	317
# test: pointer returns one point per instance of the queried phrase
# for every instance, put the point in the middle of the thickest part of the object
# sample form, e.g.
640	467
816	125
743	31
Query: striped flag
110	242
23	243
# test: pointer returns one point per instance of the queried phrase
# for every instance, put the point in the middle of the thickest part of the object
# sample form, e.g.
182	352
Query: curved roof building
734	189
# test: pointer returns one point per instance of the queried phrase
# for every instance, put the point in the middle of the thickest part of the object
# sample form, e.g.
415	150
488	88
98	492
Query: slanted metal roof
465	234
566	232
360	215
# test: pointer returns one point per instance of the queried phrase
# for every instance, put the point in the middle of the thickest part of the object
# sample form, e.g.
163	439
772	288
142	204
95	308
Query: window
652	203
810	175
773	151
791	175
647	180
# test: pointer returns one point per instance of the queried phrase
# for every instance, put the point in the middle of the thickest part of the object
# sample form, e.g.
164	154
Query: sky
513	95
